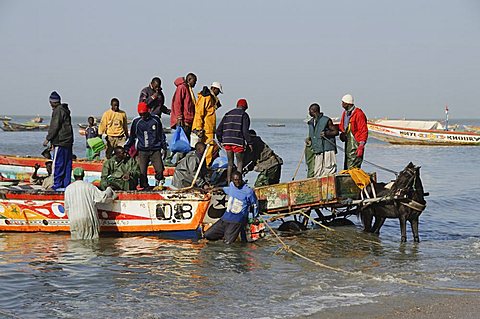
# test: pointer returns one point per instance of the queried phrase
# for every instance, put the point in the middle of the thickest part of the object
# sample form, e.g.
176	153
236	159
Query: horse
404	199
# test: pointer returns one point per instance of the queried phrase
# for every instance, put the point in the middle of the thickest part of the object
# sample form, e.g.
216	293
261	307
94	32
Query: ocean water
50	276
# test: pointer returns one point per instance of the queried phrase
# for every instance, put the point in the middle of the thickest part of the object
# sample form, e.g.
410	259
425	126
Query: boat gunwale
424	130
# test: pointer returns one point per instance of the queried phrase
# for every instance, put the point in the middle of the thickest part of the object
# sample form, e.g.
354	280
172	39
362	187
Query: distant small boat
23	127
414	132
5	118
276	125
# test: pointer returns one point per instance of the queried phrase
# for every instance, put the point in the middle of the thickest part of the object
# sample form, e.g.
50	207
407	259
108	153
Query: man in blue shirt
146	132
240	199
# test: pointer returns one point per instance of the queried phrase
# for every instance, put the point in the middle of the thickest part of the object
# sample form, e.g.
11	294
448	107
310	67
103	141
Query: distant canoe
9	126
276	125
419	133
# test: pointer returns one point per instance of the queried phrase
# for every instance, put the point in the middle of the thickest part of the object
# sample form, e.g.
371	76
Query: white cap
347	98
217	85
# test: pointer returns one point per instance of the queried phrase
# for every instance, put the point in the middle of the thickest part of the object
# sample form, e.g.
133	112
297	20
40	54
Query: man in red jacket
183	103
183	109
354	132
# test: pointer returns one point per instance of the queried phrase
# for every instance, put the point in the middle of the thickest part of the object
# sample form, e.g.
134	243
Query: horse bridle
411	188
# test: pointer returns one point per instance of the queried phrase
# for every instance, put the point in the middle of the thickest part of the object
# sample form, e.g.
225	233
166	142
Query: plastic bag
180	142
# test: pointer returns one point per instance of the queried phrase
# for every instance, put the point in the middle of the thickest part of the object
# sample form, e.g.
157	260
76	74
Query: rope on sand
287	248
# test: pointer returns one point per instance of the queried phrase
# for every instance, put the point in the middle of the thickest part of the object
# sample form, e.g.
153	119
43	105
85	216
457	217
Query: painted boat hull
131	212
19	127
410	136
21	168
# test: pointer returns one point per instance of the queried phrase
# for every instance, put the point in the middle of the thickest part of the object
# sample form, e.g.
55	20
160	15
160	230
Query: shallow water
50	276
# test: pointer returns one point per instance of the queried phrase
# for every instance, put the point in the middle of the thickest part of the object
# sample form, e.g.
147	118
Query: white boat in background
416	132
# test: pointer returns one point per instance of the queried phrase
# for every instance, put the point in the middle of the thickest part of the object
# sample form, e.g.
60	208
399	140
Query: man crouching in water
240	199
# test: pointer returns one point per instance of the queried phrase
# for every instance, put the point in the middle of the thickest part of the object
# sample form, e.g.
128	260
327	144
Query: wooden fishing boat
9	126
414	132
21	168
39	211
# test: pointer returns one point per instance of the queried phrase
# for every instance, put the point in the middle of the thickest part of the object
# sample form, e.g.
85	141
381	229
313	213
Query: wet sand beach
414	306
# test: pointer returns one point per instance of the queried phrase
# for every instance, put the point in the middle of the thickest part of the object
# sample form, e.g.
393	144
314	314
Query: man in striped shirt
233	133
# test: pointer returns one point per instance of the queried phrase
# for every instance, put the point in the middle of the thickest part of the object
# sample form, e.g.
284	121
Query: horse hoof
292	226
404	239
416	239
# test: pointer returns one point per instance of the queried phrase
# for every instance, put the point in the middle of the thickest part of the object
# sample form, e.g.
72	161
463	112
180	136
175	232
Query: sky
397	58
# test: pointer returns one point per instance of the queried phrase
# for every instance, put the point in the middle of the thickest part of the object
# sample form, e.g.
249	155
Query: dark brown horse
404	200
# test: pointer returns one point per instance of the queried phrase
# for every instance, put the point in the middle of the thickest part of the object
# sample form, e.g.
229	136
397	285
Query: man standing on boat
60	135
232	132
183	109
354	132
146	132
114	125
183	103
321	139
205	120
241	199
153	96
80	200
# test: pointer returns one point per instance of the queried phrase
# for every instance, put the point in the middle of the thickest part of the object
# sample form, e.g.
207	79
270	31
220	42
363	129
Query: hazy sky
398	58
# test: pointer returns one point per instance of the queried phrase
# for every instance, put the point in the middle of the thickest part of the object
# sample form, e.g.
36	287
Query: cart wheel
292	226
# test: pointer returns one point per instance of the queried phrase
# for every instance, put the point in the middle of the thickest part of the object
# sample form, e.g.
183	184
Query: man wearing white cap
205	120
354	132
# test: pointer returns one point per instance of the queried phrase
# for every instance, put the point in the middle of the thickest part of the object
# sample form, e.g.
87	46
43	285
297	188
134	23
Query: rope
287	248
299	162
316	222
373	164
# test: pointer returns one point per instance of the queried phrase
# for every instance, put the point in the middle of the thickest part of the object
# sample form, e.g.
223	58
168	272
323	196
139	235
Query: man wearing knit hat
205	120
60	136
354	132
80	200
233	133
146	132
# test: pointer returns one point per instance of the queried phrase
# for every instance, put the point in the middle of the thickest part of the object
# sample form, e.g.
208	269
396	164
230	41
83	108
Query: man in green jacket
120	172
321	137
264	161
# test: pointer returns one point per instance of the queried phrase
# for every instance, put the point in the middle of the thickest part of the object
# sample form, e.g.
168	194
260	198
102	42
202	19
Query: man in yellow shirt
114	125
205	120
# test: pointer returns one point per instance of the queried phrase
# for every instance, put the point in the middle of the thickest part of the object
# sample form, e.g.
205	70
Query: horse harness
396	198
